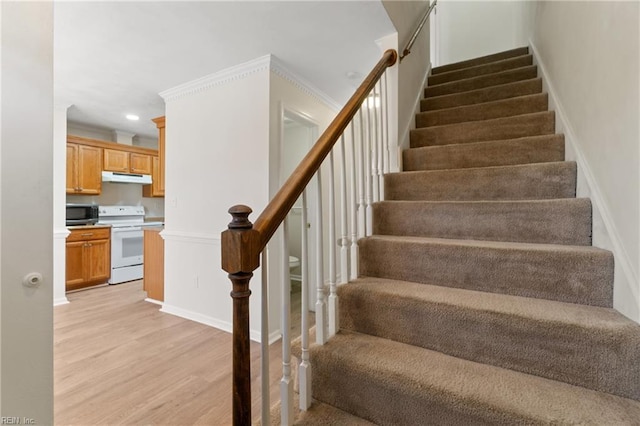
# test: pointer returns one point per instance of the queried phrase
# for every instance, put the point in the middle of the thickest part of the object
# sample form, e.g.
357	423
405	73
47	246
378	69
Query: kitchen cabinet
156	189
84	166
153	279
116	160
88	252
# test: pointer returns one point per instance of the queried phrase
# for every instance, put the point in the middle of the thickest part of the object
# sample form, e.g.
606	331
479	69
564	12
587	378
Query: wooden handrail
276	211
243	242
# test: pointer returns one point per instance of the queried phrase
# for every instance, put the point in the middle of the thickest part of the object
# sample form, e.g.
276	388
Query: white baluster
332	304
321	336
304	373
380	128
286	383
373	126
264	342
354	207
361	182
344	239
387	157
369	176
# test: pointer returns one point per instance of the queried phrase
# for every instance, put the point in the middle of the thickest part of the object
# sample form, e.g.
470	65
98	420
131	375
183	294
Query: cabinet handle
87	234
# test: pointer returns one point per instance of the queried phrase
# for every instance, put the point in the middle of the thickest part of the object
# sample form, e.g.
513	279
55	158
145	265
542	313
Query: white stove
127	223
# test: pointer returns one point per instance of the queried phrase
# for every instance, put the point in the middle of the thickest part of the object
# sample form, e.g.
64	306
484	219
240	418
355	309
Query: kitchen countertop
71	228
154	219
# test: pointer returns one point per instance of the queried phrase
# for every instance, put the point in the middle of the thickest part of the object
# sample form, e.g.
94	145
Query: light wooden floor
119	361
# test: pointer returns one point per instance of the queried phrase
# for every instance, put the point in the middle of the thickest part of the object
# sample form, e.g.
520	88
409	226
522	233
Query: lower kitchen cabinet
88	257
154	264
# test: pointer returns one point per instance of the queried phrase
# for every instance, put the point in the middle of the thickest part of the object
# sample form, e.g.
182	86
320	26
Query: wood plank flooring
118	360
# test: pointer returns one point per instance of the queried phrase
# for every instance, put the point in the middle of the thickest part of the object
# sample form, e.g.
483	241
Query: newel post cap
240	243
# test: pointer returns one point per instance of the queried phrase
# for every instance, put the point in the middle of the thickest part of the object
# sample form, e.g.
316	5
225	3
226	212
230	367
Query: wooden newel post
240	257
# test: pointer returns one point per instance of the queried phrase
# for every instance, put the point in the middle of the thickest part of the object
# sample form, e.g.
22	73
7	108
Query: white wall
26	314
221	160
588	52
468	29
410	76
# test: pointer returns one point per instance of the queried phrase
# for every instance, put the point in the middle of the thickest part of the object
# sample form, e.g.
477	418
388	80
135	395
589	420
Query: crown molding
219	78
278	67
240	71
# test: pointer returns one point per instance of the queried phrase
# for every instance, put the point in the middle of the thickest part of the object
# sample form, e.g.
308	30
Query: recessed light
133	117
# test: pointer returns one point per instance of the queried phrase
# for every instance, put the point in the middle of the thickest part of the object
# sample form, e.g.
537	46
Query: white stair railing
286	383
344	227
305	365
363	157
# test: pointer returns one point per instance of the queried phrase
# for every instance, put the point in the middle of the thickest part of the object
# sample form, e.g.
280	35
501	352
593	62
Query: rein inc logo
17	421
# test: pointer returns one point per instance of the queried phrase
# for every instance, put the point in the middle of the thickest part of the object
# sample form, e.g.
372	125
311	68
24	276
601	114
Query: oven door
126	246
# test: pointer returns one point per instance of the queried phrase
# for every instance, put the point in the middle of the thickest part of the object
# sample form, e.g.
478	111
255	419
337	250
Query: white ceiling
113	58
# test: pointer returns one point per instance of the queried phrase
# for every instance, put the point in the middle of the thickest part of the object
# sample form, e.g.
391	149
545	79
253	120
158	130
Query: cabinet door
89	170
72	168
116	160
153	189
75	265
161	155
98	260
140	163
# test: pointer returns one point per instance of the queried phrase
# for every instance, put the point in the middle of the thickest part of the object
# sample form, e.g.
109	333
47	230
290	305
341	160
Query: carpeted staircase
480	298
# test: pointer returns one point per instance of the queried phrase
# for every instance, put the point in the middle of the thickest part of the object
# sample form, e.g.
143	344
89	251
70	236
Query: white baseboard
606	234
60	301
154	301
213	322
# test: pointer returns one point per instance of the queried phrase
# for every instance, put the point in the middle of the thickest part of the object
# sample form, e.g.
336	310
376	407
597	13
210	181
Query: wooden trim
160	121
281	203
110	145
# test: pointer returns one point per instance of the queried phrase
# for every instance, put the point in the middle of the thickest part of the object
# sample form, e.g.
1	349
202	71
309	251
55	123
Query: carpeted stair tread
563	221
526	150
481	60
517	126
473	83
483	69
573	274
495	109
519	182
488	94
534	336
393	383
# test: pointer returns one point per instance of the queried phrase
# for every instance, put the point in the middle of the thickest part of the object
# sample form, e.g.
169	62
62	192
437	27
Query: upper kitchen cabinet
84	167
156	189
116	160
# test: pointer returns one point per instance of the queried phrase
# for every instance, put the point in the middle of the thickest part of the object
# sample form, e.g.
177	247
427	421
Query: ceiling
113	58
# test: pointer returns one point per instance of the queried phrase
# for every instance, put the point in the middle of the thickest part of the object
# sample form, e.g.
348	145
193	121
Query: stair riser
565	276
482	60
522	344
495	93
506	64
538	149
536	124
510	76
553	222
504	108
539	181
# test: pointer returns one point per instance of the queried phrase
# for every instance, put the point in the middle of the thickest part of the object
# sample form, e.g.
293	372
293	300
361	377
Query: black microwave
82	214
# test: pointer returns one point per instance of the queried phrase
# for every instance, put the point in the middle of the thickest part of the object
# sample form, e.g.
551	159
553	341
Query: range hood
125	178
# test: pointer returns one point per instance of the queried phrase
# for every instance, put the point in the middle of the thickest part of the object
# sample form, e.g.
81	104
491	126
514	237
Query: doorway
299	133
